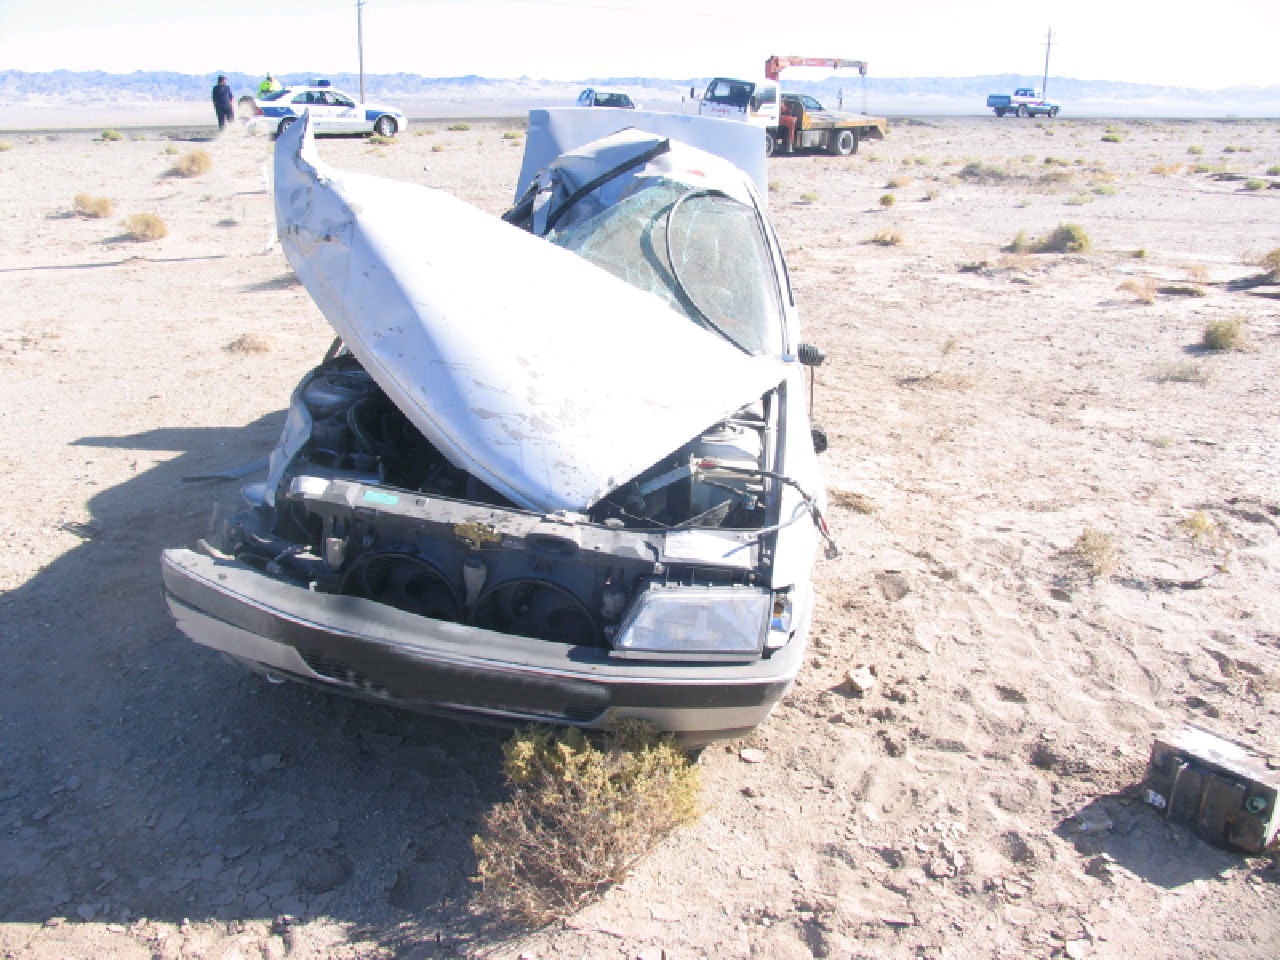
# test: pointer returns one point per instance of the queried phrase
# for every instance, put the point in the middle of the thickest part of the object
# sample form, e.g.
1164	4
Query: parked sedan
560	468
332	111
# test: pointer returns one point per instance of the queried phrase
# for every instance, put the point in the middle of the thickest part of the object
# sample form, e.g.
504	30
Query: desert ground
986	410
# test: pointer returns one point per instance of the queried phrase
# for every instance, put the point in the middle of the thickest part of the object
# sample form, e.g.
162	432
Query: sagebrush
145	226
579	817
193	163
1096	551
1224	334
94	208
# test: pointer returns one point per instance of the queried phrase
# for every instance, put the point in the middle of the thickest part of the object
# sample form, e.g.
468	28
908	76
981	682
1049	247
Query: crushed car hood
542	375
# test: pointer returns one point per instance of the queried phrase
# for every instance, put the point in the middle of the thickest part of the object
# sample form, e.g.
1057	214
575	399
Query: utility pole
1048	44
360	42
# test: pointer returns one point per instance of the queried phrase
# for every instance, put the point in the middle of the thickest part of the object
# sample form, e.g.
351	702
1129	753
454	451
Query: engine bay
368	507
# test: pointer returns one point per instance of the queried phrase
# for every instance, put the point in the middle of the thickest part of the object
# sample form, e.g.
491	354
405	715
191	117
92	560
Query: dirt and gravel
976	798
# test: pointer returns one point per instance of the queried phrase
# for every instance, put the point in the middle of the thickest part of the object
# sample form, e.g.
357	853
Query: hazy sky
1174	42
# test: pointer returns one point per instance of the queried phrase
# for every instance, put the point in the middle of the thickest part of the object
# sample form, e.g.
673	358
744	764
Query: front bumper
368	649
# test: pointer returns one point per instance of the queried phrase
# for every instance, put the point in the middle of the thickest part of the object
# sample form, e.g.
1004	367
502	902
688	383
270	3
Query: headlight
696	623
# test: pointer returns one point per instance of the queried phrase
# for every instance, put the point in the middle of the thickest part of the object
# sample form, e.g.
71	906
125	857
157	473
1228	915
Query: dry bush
170	150
111	136
438	148
809	197
249	343
1270	262
1020	243
1066	238
579	817
192	164
5	146
1142	288
887	200
1166	169
1184	371
1096	551
1196	272
458	126
983	172
1224	334
1195	150
898	183
1256	183
1273	171
1200	527
887	238
95	208
1079	200
513	135
850	501
145	226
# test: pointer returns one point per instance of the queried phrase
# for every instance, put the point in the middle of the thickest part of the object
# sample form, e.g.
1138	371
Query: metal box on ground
1220	786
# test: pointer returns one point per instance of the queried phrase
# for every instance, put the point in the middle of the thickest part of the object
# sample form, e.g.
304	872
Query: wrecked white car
558	468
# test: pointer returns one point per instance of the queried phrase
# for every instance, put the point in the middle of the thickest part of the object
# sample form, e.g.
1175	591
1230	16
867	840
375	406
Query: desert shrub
145	226
1196	272
1195	150
1055	162
1184	371
380	141
1066	238
1255	183
898	183
1270	262
887	200
1201	528
931	194
1166	169
1142	288
887	238
1020	243
1139	254
1111	138
1224	334
458	126
1202	168
5	146
1271	171
438	148
579	817
808	197
1057	176
248	343
513	135
94	208
192	164
111	136
1105	190
1079	200
1096	551
170	150
976	170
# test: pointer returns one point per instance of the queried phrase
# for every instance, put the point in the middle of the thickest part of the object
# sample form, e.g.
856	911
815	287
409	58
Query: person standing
268	85
222	102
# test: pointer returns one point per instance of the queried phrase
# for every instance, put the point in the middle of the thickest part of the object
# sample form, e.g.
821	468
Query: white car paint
539	373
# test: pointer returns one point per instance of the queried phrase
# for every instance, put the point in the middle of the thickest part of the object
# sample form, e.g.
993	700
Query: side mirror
819	437
809	355
693	93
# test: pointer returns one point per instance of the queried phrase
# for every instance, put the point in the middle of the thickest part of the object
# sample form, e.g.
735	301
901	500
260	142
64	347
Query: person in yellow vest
269	85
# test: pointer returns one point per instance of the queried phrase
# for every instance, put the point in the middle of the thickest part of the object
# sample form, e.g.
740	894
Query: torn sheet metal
1218	785
540	374
553	133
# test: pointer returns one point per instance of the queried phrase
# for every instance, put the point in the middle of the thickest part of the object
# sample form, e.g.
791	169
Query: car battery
1227	791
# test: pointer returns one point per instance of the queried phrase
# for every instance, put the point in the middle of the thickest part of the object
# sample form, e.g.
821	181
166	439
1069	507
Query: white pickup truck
1025	102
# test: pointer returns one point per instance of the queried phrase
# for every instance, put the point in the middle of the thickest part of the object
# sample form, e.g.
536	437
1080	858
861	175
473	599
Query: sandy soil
984	408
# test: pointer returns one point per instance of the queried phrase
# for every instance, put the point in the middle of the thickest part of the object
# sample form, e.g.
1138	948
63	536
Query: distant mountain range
881	94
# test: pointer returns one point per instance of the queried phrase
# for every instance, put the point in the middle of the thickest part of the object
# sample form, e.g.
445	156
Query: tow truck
791	121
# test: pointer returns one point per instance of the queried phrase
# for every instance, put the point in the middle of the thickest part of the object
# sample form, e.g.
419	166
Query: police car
332	111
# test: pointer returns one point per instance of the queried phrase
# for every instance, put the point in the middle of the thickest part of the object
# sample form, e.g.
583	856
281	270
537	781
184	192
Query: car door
313	102
347	116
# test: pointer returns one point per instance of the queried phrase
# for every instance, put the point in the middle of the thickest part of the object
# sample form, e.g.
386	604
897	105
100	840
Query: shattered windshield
702	252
